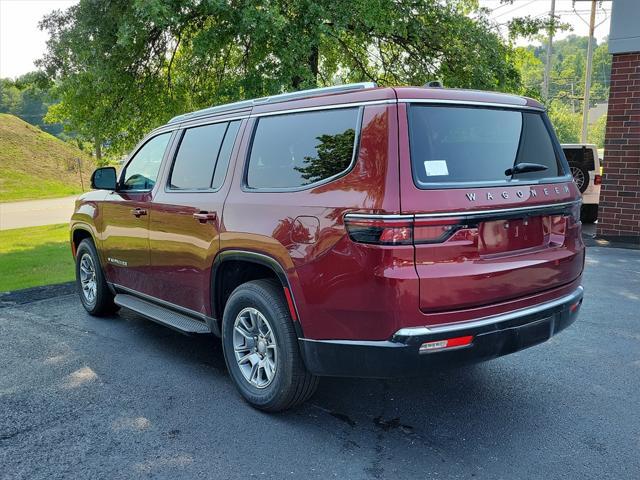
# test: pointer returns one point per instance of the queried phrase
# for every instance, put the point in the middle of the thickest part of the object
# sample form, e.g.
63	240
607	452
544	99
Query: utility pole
547	65
587	80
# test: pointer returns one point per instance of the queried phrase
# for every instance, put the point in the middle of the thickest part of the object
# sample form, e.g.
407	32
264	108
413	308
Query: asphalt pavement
123	397
33	213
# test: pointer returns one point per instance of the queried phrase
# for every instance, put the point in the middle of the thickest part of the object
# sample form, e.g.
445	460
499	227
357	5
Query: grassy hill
35	164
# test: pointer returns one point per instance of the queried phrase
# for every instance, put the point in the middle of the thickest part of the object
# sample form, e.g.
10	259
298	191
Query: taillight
380	231
435	230
597	180
399	229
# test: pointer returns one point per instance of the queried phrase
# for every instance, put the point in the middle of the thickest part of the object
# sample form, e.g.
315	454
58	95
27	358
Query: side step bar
161	315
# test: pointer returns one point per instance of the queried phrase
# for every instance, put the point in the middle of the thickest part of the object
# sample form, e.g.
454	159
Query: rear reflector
597	180
292	308
437	345
575	306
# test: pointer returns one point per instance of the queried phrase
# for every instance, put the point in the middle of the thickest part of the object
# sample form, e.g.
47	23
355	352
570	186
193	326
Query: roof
359	92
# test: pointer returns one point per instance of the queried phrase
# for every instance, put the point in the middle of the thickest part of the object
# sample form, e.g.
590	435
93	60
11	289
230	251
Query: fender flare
261	259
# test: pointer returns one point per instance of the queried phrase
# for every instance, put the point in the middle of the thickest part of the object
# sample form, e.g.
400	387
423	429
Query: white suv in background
585	168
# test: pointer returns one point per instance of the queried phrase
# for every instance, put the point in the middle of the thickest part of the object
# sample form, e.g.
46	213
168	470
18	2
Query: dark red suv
347	231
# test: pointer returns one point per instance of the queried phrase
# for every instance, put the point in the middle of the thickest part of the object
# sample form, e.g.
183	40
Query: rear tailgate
483	235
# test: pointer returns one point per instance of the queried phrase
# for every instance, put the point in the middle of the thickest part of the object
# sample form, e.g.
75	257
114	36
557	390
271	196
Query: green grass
16	185
34	164
35	256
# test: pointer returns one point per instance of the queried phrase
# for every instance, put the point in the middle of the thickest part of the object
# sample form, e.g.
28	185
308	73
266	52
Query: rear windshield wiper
524	168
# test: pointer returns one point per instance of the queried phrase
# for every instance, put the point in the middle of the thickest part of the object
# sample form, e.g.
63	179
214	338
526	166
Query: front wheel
261	348
94	293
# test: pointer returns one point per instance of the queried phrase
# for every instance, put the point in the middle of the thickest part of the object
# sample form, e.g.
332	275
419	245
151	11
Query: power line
515	9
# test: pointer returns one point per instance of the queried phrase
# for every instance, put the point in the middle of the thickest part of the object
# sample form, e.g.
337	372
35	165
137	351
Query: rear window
581	156
468	145
299	149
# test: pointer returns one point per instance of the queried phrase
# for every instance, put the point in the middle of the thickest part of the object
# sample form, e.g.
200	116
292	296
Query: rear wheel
261	348
94	293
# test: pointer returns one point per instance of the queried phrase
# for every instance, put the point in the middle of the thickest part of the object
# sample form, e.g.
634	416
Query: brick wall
619	212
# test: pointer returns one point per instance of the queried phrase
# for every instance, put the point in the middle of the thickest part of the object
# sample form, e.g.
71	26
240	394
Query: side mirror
104	178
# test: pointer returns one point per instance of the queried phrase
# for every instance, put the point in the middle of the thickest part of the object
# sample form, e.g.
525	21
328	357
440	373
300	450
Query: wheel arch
80	232
240	266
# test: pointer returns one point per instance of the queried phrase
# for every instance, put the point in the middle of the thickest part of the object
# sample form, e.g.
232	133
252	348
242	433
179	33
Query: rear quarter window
299	149
468	145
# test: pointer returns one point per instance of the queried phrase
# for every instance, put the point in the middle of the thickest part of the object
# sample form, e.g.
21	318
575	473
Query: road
32	213
122	397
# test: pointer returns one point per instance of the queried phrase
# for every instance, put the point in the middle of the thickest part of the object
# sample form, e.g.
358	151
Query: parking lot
123	397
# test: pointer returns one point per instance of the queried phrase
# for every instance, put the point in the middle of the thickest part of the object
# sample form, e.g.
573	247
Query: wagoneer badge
533	193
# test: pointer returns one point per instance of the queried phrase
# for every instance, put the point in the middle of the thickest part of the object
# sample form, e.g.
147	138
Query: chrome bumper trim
504	317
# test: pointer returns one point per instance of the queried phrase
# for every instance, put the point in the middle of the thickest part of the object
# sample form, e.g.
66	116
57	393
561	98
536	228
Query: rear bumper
400	356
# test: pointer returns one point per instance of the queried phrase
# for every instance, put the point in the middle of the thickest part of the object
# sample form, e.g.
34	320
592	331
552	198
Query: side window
142	171
203	157
293	150
196	158
225	155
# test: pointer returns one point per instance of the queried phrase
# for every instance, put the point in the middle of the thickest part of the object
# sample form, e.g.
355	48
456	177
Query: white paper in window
435	168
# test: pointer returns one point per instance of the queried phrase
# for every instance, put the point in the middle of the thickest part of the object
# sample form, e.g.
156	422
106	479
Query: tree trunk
312	63
314	58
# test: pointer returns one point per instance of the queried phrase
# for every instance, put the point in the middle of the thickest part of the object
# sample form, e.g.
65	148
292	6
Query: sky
21	42
501	13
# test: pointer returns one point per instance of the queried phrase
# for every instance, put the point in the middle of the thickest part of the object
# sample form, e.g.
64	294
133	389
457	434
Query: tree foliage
566	87
29	97
124	66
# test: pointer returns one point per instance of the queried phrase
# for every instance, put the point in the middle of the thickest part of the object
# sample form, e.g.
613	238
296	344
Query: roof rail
283	97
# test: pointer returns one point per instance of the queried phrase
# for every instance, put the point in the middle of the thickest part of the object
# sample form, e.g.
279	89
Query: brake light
435	230
379	231
597	180
400	229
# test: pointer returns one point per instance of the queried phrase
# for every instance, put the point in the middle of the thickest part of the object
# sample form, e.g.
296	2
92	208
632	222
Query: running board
161	315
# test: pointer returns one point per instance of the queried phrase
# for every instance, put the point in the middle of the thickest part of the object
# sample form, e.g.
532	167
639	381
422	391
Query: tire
258	307
589	213
580	176
89	277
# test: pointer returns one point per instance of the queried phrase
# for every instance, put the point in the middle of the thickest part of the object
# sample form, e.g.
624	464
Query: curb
33	294
593	241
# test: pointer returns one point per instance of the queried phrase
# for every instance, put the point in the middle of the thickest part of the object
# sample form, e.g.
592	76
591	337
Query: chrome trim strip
378	216
470	213
524	312
323	107
469	102
473	213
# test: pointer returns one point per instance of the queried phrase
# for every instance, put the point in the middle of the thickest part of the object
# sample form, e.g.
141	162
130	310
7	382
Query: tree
566	123
29	97
125	66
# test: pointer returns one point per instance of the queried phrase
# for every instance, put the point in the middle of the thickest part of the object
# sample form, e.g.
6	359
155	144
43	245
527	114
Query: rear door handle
204	217
138	212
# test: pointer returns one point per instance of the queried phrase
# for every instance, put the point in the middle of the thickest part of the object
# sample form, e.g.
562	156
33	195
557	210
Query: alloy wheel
88	278
255	347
